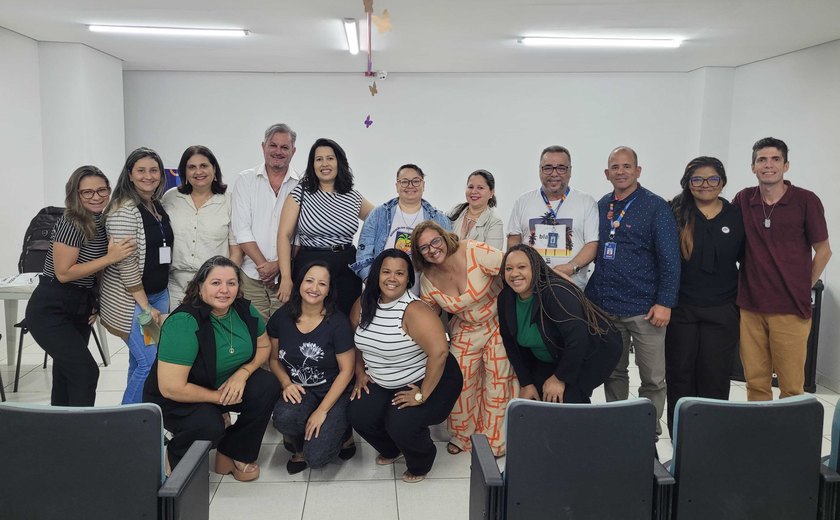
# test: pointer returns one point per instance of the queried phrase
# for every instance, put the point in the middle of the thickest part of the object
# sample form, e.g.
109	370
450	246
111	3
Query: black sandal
296	466
348	449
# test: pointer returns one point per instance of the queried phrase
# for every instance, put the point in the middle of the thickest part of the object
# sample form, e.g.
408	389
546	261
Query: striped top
392	359
66	233
327	218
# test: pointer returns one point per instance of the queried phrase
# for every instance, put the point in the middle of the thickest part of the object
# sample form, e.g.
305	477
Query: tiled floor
354	489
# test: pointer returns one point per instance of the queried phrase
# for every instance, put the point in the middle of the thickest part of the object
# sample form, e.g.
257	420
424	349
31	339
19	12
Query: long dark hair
344	178
370	296
684	205
192	295
491	183
544	282
294	307
217	186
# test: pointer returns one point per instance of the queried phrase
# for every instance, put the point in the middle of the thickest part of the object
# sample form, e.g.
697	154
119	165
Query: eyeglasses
88	194
416	182
713	181
435	242
561	169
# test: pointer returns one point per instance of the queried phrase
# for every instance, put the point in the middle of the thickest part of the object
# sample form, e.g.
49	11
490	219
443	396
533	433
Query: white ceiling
434	35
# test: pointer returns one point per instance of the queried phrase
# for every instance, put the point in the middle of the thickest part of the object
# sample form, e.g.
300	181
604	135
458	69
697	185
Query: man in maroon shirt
783	223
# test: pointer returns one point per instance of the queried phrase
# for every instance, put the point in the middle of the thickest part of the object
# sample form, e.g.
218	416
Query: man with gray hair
560	222
258	197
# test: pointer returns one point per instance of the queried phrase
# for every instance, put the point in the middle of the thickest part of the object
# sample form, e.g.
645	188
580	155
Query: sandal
296	464
384	461
227	466
452	449
348	449
411	478
226	419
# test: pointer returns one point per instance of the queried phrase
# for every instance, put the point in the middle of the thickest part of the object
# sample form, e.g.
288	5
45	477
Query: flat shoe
226	466
348	449
452	449
384	461
412	478
296	466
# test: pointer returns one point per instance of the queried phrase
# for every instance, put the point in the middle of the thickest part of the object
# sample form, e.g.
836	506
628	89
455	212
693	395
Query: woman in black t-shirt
313	358
703	333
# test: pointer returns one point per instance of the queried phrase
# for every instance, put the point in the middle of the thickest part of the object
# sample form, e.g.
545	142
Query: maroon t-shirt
776	275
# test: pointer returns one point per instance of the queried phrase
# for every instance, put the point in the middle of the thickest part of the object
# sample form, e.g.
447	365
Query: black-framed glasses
435	242
562	169
88	194
416	182
713	181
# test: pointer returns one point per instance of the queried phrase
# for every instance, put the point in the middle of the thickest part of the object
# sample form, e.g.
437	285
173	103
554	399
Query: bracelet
246	370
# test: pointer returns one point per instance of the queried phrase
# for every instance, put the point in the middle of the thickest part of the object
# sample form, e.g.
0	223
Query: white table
20	287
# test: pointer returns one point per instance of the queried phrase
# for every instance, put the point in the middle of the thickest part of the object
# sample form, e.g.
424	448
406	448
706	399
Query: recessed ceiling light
351	31
168	31
546	41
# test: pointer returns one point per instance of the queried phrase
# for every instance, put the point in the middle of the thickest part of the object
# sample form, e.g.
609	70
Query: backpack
36	241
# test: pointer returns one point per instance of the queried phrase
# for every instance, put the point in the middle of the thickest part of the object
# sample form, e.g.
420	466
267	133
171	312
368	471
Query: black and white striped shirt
392	359
66	233
327	218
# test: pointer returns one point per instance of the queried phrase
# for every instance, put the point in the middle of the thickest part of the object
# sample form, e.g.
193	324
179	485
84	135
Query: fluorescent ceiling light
168	31
351	31
540	41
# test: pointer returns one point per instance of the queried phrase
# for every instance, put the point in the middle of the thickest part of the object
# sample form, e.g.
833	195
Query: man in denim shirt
637	275
390	224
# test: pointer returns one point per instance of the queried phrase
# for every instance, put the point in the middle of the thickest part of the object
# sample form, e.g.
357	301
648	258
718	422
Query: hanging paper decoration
368	5
368	121
382	22
373	90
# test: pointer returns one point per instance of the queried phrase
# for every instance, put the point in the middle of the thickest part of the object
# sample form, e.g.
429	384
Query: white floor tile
446	466
361	467
439	499
259	501
272	461
352	500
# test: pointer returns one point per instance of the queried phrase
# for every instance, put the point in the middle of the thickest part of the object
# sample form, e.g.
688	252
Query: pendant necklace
766	215
231	349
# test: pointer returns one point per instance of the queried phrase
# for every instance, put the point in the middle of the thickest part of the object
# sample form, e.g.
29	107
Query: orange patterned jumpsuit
489	380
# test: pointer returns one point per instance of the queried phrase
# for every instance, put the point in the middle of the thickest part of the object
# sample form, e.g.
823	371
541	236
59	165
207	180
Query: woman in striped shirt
60	311
324	212
406	379
137	284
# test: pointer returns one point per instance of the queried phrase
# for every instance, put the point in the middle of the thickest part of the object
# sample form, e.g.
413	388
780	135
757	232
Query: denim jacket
376	228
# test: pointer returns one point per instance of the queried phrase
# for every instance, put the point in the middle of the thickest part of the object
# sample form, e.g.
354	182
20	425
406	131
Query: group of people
433	316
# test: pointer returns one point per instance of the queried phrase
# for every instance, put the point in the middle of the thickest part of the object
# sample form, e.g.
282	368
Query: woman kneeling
312	356
209	356
406	380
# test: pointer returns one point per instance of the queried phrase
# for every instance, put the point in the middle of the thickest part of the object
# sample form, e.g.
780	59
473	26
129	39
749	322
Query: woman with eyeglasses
322	215
199	209
474	219
135	289
63	306
390	225
462	278
701	338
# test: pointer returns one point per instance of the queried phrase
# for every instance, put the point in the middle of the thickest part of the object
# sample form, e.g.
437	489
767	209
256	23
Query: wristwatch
419	397
575	268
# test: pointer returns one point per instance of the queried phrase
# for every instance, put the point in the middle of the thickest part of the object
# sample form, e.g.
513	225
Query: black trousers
57	317
190	422
348	285
392	431
593	372
699	348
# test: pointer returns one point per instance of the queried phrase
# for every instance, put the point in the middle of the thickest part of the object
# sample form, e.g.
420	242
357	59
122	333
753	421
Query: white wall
448	124
20	143
796	98
81	113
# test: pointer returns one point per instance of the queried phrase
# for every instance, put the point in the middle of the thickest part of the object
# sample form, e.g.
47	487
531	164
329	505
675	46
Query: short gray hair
280	128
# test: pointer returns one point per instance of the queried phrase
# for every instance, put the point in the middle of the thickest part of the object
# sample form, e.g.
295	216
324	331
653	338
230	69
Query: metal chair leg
2	389
98	346
23	332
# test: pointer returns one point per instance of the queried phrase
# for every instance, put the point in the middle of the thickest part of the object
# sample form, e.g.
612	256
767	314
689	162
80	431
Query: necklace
231	349
413	222
766	215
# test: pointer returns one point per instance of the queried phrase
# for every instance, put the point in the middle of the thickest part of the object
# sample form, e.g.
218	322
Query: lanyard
159	220
615	224
552	211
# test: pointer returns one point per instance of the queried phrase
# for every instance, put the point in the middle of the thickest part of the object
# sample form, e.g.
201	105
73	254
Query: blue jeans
141	356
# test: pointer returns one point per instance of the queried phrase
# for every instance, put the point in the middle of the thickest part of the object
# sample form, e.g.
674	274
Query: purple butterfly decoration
368	121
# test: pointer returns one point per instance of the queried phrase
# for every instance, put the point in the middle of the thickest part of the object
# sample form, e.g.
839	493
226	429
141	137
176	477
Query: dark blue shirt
646	267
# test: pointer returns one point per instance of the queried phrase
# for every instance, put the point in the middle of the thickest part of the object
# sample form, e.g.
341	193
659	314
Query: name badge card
550	237
165	255
609	251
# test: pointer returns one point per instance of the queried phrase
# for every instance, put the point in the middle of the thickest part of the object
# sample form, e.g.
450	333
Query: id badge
552	239
609	251
165	255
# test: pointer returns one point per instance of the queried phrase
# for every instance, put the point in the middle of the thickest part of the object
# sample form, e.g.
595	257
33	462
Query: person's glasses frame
88	194
416	182
562	169
713	181
436	242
